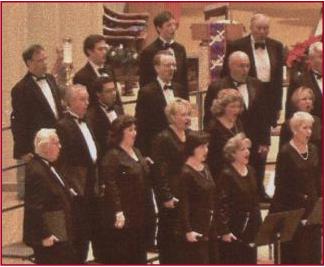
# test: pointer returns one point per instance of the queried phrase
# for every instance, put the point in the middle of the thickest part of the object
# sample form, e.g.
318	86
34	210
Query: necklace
298	151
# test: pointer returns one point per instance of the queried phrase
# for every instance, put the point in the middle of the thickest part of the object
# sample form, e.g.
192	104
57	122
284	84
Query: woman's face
242	153
182	118
303	132
129	135
232	110
305	102
201	152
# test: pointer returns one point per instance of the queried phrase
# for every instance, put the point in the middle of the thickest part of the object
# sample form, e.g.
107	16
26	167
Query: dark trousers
168	241
304	248
258	162
237	253
125	246
59	253
273	104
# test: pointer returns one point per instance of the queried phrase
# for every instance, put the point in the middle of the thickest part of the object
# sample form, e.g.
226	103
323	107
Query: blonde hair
42	139
297	93
299	118
224	98
174	107
72	90
233	145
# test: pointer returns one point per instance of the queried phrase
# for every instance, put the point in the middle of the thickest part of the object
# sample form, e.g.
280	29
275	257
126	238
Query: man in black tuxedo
48	224
254	118
266	58
152	100
165	25
95	48
35	103
101	115
312	78
78	163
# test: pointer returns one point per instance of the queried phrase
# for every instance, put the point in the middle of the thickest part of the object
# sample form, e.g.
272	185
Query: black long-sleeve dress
219	135
168	157
126	190
296	181
196	211
239	213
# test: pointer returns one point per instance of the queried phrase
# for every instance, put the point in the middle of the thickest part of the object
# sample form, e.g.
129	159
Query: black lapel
250	53
91	72
272	55
161	101
54	91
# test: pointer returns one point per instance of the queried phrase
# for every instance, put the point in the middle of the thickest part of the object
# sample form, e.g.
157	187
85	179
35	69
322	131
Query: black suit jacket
275	51
75	161
147	71
87	76
254	118
44	194
150	114
31	112
307	79
100	125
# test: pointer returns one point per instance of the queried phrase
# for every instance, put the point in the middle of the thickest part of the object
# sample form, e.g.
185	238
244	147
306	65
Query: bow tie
80	120
108	109
168	45
40	78
259	45
166	87
102	71
317	75
237	84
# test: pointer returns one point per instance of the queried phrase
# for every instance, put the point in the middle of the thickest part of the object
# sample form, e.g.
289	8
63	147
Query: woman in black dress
296	180
125	172
168	157
238	207
226	124
196	204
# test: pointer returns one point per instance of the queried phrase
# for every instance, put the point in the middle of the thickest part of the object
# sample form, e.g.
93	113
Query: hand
229	237
27	157
49	241
193	236
263	149
171	204
119	220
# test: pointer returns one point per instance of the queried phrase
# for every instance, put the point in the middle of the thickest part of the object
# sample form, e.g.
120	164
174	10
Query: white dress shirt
46	91
96	67
170	48
262	62
168	93
111	115
244	93
87	136
319	82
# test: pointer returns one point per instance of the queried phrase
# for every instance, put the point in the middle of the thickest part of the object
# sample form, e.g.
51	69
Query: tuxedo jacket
147	71
253	118
31	112
307	79
150	114
75	161
87	76
275	51
44	194
100	125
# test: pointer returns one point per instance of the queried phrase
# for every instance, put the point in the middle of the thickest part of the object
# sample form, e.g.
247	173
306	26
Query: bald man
254	118
266	57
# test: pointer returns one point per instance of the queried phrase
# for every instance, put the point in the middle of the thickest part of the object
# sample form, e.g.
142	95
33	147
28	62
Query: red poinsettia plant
298	53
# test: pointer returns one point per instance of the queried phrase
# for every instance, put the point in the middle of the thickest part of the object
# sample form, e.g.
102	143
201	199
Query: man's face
316	61
78	103
38	64
239	69
166	69
98	54
168	29
108	95
260	28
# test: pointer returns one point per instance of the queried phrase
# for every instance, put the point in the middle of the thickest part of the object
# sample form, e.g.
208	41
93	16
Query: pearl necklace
299	153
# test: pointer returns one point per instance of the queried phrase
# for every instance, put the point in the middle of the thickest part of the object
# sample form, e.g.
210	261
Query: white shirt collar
73	114
162	83
164	41
95	66
253	40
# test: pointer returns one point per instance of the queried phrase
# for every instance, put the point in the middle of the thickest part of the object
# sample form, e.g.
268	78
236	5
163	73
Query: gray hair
72	90
314	48
235	55
42	139
234	145
224	98
174	107
299	118
258	16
